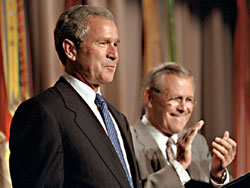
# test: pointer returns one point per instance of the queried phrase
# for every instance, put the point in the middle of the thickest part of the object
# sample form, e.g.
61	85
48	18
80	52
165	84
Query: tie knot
170	142
99	100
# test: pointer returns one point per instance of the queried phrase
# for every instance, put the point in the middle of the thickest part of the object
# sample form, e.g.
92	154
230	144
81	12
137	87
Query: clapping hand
224	151
184	144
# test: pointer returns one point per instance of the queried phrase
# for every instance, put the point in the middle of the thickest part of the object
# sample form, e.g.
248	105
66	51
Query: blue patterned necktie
112	133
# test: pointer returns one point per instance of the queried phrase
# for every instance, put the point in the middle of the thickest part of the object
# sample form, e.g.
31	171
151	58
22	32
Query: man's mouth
110	67
178	115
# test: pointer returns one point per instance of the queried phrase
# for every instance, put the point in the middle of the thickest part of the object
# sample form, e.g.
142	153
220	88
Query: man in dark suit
60	138
168	155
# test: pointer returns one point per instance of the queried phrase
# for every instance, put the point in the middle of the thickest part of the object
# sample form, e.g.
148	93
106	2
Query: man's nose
112	52
182	106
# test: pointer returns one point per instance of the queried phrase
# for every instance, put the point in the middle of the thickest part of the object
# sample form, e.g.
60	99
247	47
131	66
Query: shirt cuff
182	173
221	184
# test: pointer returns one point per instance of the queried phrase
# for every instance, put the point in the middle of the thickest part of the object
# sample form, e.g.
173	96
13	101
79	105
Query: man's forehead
172	81
103	29
174	78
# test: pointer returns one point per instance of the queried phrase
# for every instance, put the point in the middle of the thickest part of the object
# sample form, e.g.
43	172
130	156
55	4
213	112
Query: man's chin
107	80
178	126
179	119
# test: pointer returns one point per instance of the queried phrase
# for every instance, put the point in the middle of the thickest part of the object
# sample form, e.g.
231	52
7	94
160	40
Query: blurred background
209	37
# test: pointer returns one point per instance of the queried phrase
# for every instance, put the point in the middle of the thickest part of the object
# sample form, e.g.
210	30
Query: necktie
169	150
103	107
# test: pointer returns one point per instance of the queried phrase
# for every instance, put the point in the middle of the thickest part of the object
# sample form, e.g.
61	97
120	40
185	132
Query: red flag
5	119
241	100
15	74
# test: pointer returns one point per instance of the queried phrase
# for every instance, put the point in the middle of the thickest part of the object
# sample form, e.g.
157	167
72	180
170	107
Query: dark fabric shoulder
49	97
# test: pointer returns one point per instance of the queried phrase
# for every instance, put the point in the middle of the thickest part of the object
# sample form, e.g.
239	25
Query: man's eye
190	100
173	98
116	44
179	99
102	43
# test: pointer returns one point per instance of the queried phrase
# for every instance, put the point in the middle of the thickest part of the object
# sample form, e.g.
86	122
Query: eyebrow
109	39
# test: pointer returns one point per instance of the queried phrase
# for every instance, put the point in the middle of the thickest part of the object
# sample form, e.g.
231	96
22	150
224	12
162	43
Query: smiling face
170	109
95	62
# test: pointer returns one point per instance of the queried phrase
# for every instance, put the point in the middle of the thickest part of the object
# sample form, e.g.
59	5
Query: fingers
191	133
226	134
198	125
184	145
225	144
219	150
225	149
218	154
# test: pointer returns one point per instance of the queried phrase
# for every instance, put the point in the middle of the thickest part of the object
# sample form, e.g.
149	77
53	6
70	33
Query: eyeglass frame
190	102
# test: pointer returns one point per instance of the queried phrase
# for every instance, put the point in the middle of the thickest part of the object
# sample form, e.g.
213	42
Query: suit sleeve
164	178
36	158
199	169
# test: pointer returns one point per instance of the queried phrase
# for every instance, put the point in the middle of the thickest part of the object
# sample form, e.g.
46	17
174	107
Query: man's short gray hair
73	25
153	78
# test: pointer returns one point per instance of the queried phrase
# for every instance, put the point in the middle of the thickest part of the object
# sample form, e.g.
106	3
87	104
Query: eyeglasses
176	100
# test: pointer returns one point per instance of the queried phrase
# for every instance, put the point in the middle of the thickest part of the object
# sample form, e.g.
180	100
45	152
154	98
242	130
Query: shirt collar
159	137
87	93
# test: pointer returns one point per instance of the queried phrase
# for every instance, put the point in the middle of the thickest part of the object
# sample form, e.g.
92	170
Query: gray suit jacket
154	170
57	141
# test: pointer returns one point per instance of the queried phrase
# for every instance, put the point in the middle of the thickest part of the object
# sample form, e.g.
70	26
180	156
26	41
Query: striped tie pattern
100	102
169	150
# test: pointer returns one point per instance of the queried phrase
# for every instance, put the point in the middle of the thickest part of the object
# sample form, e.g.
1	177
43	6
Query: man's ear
148	97
69	49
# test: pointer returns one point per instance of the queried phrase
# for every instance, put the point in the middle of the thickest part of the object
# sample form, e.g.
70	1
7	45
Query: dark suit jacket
57	141
241	182
154	169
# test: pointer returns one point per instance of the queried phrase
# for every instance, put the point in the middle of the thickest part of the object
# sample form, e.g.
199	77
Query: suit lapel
152	152
92	129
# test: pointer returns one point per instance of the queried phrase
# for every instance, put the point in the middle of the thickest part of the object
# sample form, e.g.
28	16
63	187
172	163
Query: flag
5	119
241	88
15	74
170	32
159	33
